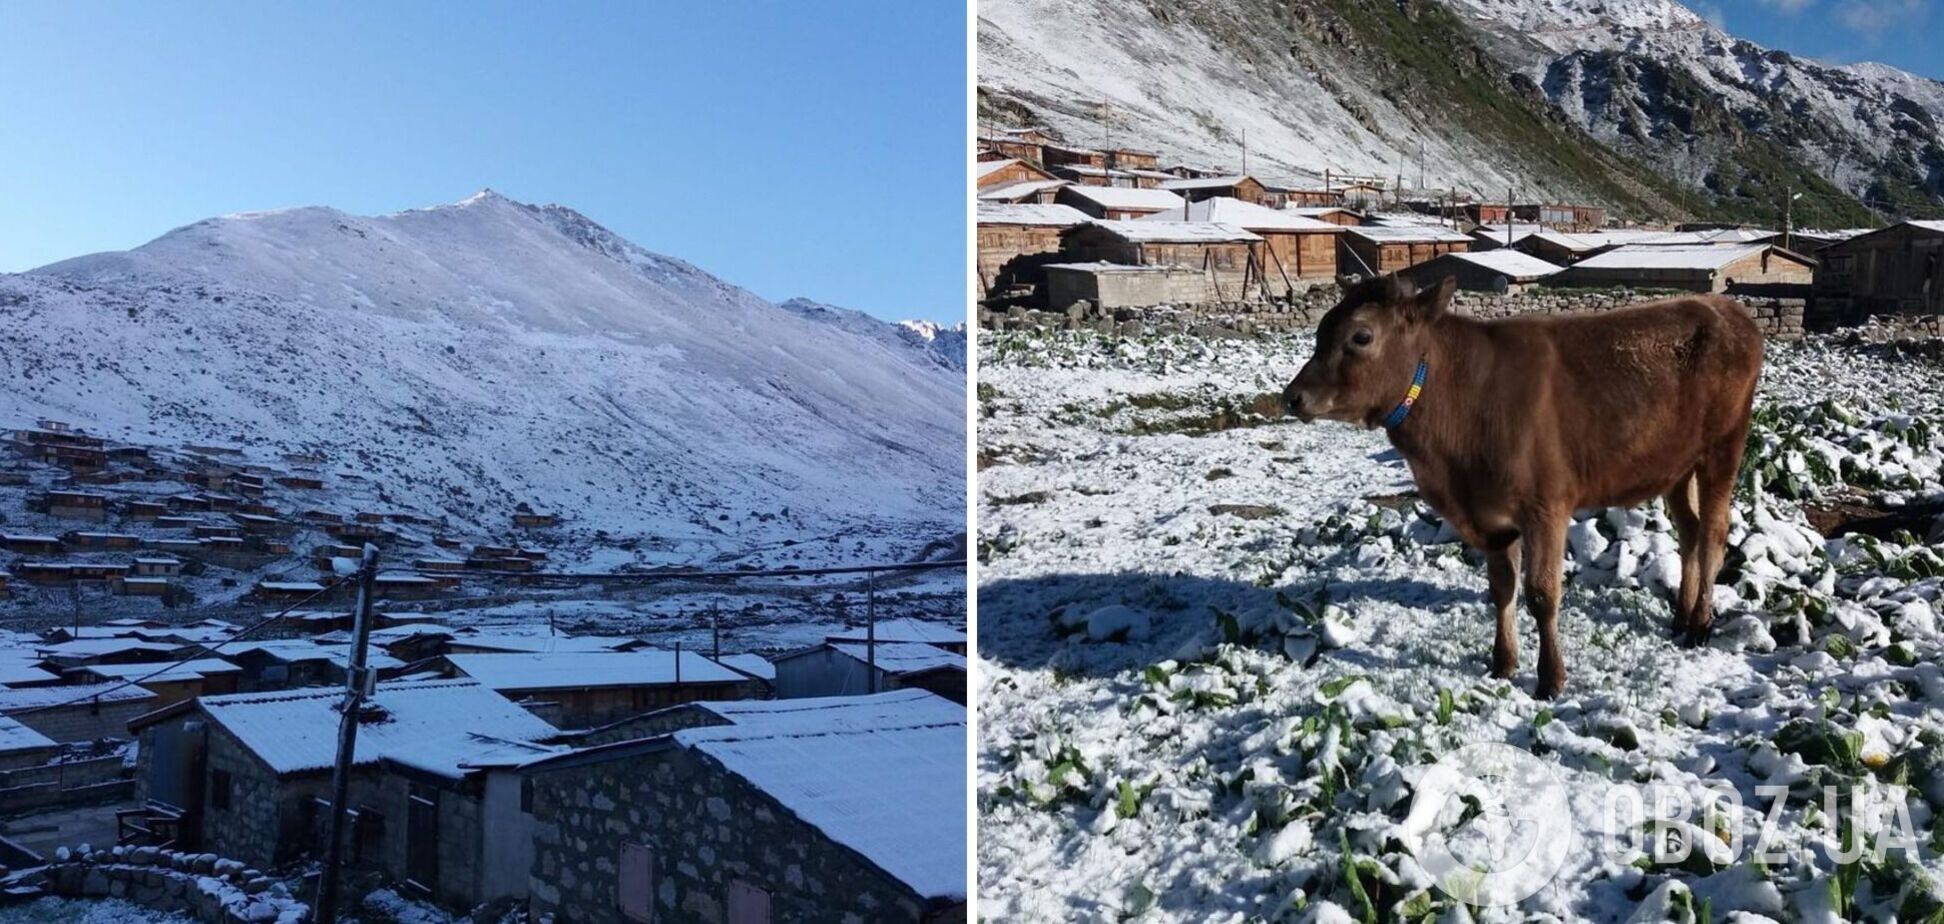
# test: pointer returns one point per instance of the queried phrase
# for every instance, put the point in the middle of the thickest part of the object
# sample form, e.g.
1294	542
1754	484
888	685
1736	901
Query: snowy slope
475	356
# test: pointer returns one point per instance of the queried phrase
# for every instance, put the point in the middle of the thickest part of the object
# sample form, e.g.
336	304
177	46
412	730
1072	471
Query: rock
1246	511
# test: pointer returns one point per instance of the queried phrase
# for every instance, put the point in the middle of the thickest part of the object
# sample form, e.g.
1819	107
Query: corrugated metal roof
905	657
1512	263
1122	197
1652	256
17	737
904	630
1408	234
1030	213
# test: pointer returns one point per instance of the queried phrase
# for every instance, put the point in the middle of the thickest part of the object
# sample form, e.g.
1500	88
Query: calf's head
1367	351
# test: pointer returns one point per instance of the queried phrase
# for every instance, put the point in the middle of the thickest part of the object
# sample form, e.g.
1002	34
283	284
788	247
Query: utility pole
715	629
356	682
870	627
1508	216
1788	217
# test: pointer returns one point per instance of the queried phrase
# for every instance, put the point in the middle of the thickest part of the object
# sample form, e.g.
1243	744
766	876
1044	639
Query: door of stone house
422	838
748	904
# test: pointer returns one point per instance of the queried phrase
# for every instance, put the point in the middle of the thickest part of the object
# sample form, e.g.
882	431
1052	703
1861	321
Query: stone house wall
707	828
219	891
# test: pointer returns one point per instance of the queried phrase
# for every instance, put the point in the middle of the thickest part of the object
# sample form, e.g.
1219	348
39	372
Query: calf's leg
1545	549
1684	508
1502	570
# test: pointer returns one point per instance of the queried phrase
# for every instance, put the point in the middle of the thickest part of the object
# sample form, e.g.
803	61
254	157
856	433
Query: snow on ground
87	911
1219	651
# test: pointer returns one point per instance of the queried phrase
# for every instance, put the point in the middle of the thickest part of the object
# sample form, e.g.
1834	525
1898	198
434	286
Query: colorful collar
1403	408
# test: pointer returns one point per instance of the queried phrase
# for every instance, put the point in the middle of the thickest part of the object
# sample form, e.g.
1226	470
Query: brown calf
1523	420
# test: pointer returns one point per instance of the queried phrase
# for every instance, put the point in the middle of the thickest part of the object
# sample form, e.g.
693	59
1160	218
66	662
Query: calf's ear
1434	301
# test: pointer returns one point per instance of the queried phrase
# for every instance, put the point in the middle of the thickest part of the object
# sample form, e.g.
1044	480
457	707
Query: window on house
219	790
367	836
748	904
526	795
636	882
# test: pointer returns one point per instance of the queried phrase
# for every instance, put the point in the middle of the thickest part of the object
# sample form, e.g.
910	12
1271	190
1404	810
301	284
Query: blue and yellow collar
1403	408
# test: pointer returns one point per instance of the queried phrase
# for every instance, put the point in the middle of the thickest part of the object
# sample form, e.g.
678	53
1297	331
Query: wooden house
1370	250
992	174
140	511
1334	214
156	566
527	519
1032	192
288	591
1221	254
1058	155
1110	176
85	539
1305	197
853	669
1501	271
77	505
1014	241
171	683
1245	188
29	544
1016	143
917	631
584	689
1486	213
1565	248
1295	251
216	531
301	482
1746	268
1898	270
1549	214
1116	202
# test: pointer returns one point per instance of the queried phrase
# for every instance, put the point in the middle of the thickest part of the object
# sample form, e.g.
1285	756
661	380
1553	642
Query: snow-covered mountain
471	357
1639	104
945	344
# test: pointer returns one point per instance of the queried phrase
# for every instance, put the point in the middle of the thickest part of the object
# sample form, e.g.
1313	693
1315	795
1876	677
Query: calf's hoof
1550	686
1697	636
1504	668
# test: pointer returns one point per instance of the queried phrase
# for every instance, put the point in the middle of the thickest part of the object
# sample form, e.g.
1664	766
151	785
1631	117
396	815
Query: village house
1111	176
286	664
80	652
804	810
1495	236
216	531
81	539
140	511
1021	143
157	566
527	519
439	564
269	591
469	640
583	689
1296	252
55	572
1709	236
1245	188
22	747
1222	256
1295	197
74	713
1015	241
1563	248
259	525
77	505
992	174
301	482
1026	193
1486	213
1059	155
1760	269
1898	270
1502	271
405	585
1371	250
248	777
1117	202
177	522
143	586
850	669
1361	195
918	631
171	683
27	544
1334	214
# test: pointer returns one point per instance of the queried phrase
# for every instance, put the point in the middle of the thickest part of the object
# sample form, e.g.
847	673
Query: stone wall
85	721
707	828
1779	318
211	889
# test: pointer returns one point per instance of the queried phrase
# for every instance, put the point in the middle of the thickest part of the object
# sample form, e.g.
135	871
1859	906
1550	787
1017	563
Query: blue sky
1903	33
812	149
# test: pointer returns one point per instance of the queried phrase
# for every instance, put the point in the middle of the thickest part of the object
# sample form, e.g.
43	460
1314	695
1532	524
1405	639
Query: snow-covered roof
1176	232
194	669
13	673
537	643
1246	215
1012	191
83	647
576	670
1315	210
903	629
854	712
989	167
1510	262
1207	182
754	665
17	737
1710	236
890	785
290	586
24	537
14	699
905	657
1581	243
435	726
1928	224
1122	197
1675	256
1407	234
1030	213
1496	233
300	650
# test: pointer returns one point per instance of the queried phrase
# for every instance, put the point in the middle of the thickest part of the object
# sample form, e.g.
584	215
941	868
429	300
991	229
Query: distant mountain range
471	357
1641	105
